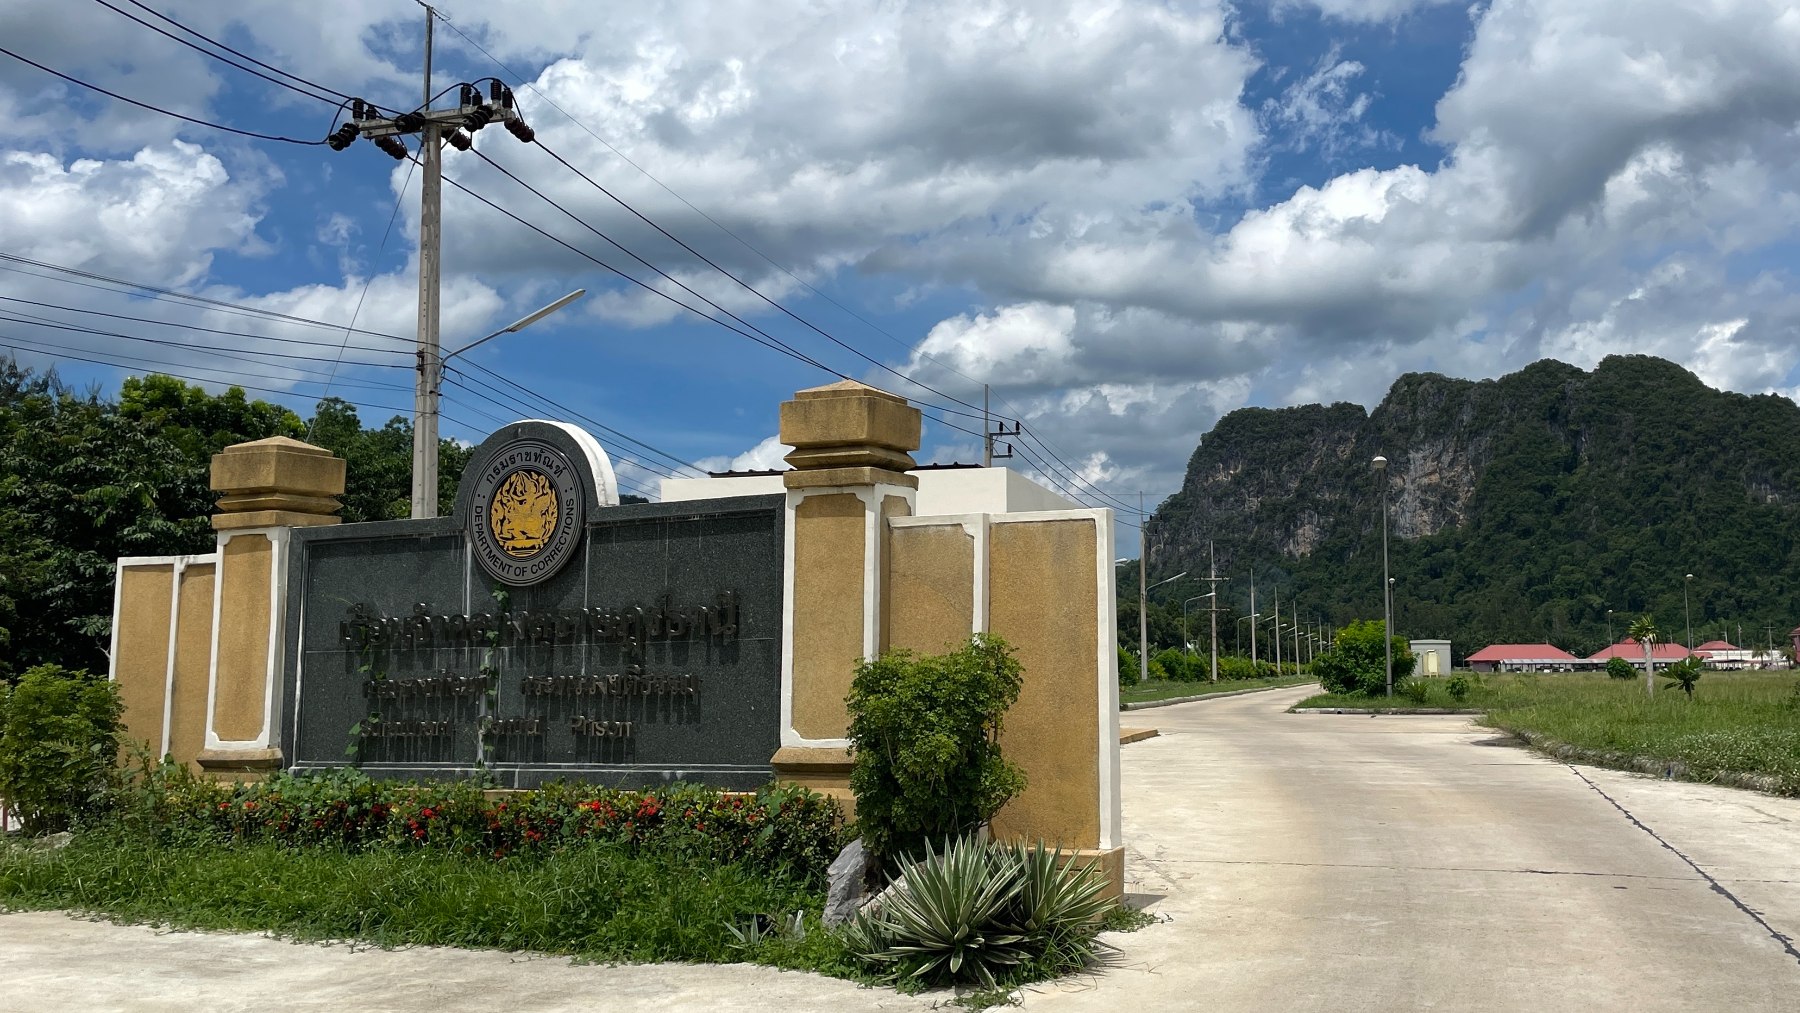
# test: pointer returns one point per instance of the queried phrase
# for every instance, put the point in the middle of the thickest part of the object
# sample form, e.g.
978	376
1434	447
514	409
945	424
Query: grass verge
1740	728
592	902
1169	689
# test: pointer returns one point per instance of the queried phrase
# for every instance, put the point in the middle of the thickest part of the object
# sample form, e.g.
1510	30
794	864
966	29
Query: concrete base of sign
823	769
1110	862
239	764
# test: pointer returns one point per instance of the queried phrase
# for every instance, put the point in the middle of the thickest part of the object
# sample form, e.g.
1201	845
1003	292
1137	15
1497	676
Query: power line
212	330
311	94
752	289
26	345
156	109
172	294
760	336
399	199
243	355
238	53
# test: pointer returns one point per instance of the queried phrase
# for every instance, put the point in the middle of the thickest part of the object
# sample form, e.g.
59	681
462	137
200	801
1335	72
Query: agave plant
978	911
944	923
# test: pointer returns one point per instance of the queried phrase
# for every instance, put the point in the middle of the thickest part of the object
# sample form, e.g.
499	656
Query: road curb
1389	711
1146	704
1656	766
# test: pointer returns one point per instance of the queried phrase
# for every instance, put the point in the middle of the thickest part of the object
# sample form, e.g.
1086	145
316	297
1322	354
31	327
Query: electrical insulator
343	137
408	123
469	96
392	146
506	97
495	89
458	140
518	129
481	117
357	110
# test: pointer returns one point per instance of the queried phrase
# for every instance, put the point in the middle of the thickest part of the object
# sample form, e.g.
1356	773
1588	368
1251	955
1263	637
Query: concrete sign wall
645	650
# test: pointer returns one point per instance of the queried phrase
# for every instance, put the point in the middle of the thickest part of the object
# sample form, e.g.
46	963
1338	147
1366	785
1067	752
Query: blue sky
1128	218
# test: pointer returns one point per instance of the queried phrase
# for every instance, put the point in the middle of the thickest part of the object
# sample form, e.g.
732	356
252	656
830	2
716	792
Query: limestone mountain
1521	509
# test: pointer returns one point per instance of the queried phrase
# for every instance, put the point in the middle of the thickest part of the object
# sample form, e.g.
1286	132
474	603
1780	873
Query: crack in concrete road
1786	941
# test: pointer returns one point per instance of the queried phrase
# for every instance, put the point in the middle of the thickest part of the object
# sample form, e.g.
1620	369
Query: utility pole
435	128
989	455
1213	578
430	368
1253	617
1275	631
1143	591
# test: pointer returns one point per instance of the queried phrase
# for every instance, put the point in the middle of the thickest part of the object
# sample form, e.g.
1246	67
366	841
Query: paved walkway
1303	862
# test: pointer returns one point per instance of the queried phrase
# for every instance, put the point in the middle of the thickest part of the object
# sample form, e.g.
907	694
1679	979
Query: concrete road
1339	862
1301	862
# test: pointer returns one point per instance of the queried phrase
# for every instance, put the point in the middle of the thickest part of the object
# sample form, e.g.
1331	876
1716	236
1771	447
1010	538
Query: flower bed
780	829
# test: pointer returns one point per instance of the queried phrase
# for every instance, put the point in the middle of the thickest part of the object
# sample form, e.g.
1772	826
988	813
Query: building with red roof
1525	658
1632	651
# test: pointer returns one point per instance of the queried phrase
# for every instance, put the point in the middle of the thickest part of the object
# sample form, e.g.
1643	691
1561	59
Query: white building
943	489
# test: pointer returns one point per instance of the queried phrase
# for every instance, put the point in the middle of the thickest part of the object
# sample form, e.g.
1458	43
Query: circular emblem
525	521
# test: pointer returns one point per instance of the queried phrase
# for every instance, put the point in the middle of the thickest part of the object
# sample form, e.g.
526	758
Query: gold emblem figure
523	513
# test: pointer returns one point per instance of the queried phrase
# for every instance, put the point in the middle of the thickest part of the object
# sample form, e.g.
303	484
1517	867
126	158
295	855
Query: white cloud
158	214
768	455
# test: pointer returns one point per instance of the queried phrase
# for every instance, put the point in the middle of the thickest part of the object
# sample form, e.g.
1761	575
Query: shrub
1128	668
1619	668
1234	667
1180	666
780	830
1458	688
1414	690
1685	673
983	913
59	745
926	735
1356	664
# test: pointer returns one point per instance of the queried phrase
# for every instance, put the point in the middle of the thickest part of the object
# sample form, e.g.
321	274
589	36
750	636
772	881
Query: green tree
378	462
59	743
1356	662
1619	668
1643	630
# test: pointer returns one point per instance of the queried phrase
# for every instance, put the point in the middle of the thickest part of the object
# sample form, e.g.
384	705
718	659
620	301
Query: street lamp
1144	617
1609	639
1387	619
1688	614
425	412
1184	610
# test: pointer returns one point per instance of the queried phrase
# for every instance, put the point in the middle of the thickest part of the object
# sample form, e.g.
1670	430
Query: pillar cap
850	425
277	476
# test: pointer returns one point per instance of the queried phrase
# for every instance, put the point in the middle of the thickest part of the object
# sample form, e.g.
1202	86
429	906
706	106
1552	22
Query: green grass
1740	727
594	903
1167	689
1482	693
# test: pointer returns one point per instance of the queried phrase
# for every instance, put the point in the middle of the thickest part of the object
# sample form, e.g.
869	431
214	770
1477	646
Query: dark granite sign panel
652	655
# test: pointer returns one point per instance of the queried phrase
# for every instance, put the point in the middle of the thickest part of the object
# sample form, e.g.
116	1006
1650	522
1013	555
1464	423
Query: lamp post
1184	610
1387	619
425	415
1237	636
1685	612
1143	616
1609	639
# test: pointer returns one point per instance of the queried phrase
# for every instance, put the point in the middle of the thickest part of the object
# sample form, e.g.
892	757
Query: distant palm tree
1643	630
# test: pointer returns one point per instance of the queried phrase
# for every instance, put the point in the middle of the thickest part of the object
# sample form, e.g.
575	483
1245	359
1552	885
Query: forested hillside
1520	509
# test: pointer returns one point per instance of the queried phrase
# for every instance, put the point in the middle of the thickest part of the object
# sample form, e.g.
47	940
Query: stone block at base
239	764
825	770
1110	862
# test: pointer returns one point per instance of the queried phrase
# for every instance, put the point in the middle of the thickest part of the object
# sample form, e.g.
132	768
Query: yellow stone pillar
852	449
266	488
